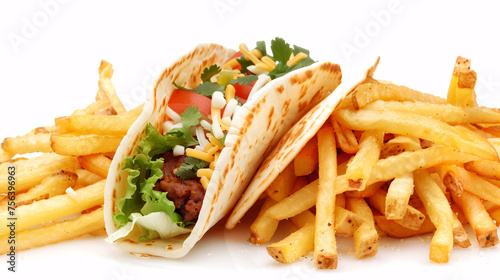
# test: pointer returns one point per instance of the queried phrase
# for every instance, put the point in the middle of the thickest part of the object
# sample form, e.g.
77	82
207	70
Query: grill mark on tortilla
280	89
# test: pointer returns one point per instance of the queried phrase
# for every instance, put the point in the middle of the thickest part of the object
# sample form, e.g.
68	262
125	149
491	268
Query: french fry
479	219
493	210
325	246
439	212
346	222
345	138
460	237
360	165
370	92
420	127
461	64
466	97
79	145
391	167
51	186
367	192
412	218
478	186
295	204
395	230
398	145
107	89
5	156
282	185
29	143
485	168
306	160
97	164
299	183
95	124
58	232
398	195
496	144
85	177
97	106
447	113
263	228
55	208
30	172
296	245
366	236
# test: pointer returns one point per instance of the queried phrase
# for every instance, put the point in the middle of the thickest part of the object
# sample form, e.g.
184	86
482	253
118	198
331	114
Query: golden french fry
370	92
5	156
79	145
367	192
30	172
460	237
439	212
98	106
398	195
478	186
447	113
107	88
96	163
479	219
391	167
282	185
412	218
96	124
360	166
294	246
485	168
306	160
461	64
295	204
398	145
417	126
366	236
55	208
395	230
263	228
345	138
51	186
346	222
29	143
85	177
466	97
496	144
58	232
325	246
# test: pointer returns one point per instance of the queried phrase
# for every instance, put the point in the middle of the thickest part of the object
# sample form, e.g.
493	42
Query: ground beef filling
187	195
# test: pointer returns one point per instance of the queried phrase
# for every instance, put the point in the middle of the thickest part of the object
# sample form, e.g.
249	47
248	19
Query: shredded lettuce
145	169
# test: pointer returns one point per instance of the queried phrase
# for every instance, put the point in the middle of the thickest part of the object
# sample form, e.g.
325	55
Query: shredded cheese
212	150
215	141
216	128
229	93
256	71
261	81
204	182
200	135
263	66
230	64
206	125
205	172
231	105
176	118
208	147
169	125
244	50
71	192
296	59
226	121
199	155
267	60
178	150
218	100
256	52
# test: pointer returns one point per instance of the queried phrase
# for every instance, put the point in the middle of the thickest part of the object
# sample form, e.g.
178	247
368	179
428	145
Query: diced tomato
243	91
236	55
182	99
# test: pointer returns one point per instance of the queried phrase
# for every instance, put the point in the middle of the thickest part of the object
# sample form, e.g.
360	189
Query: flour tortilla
256	129
291	144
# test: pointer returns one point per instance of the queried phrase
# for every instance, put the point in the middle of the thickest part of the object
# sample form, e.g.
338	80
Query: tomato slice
236	55
243	91
182	99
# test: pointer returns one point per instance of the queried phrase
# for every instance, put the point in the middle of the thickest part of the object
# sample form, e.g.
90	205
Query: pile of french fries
391	161
59	190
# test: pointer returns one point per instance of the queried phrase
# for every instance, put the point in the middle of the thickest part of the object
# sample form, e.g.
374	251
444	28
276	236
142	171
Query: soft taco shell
256	129
291	144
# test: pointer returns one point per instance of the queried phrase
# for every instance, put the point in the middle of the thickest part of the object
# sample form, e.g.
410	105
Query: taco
205	128
292	142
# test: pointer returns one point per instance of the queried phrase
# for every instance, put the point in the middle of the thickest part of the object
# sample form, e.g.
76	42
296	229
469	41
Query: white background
50	52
